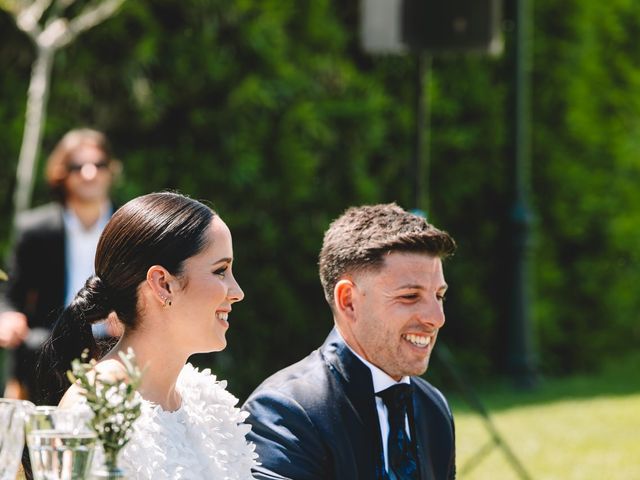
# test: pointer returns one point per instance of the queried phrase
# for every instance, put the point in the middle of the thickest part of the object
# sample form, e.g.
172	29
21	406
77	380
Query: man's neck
87	212
381	379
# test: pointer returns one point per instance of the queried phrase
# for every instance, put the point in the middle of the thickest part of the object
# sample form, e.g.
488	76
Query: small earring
167	301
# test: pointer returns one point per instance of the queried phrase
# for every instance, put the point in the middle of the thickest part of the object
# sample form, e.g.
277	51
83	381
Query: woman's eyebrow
223	260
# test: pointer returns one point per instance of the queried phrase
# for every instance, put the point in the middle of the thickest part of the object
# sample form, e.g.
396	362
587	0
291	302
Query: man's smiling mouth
421	341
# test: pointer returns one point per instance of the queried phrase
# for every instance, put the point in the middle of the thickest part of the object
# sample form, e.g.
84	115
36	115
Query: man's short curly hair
360	238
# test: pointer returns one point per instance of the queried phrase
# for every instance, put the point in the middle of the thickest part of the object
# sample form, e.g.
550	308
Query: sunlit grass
583	428
571	439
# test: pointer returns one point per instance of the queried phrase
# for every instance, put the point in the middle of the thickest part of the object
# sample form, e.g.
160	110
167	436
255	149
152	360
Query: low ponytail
155	229
70	336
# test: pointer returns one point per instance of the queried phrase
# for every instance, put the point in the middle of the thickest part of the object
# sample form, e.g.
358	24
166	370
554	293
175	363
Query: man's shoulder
304	379
429	393
40	219
288	414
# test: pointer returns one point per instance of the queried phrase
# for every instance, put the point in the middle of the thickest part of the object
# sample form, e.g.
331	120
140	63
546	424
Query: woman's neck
160	364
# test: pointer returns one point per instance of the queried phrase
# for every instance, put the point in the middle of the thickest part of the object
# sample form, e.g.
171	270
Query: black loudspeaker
452	25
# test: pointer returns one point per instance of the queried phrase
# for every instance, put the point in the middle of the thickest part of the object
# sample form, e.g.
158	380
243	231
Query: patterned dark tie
402	459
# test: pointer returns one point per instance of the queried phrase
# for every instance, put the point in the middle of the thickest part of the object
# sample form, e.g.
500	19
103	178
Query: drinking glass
12	414
61	443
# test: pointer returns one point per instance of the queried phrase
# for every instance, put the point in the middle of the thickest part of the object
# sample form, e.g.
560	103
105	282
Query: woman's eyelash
221	271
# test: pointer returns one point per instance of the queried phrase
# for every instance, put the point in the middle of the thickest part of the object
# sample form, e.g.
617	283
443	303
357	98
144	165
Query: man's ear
159	279
343	296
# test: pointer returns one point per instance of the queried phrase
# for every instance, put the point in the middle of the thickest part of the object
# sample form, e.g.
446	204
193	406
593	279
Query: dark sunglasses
74	167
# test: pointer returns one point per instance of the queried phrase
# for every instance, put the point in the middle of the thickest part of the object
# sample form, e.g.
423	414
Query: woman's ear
343	296
159	280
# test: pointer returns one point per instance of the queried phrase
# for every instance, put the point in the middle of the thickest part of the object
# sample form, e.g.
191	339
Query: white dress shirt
80	252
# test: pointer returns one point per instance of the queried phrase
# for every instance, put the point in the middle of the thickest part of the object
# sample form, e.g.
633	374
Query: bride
164	267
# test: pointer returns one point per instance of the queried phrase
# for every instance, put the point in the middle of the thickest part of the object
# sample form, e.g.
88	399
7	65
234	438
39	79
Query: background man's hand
13	329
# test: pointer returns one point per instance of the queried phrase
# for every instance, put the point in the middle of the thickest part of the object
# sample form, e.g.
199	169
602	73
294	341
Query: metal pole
420	184
520	358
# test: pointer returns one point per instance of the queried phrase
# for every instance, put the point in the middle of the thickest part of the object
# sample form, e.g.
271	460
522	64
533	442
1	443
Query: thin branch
89	18
35	114
54	34
19	9
28	19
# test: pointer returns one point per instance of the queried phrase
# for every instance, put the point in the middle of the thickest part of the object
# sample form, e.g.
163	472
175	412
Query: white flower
114	403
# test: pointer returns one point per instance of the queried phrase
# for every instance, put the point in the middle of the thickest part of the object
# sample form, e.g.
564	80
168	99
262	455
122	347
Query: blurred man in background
53	251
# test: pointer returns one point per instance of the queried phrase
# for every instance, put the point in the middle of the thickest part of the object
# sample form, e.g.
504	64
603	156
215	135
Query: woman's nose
235	293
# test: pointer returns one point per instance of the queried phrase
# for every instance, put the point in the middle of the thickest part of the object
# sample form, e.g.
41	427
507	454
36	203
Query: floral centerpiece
113	402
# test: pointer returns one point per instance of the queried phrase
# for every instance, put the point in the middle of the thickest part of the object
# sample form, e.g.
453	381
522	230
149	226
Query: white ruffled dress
203	439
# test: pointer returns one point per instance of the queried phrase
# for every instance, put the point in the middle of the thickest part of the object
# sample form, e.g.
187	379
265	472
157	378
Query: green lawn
582	428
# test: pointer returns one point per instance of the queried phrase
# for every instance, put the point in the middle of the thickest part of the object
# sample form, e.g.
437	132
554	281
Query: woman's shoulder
109	370
72	397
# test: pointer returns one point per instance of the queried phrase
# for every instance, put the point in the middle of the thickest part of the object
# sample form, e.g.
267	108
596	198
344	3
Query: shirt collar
381	381
73	224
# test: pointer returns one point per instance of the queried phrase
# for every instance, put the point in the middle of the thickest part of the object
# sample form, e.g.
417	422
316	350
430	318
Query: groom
356	407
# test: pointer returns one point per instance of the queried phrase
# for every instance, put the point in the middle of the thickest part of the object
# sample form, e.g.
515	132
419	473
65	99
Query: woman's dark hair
155	229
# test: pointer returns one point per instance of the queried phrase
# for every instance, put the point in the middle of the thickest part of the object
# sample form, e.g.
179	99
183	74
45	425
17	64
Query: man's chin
418	370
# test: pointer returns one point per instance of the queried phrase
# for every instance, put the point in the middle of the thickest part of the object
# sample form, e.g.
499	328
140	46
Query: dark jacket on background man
36	285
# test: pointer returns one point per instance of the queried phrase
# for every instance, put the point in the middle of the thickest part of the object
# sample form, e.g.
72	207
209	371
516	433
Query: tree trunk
37	96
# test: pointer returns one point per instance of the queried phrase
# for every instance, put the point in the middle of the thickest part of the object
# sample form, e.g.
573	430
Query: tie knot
397	396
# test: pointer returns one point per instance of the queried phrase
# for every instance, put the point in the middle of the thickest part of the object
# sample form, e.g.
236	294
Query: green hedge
272	112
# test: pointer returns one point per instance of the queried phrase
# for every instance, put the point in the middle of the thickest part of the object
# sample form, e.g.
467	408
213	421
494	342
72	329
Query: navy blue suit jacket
317	420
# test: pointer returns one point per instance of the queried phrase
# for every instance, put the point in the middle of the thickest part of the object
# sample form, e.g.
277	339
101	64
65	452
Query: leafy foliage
272	111
586	143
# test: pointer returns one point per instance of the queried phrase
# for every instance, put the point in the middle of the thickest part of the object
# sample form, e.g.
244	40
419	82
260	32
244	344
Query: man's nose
433	314
89	171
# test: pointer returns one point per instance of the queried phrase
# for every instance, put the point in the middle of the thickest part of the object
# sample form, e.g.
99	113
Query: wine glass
12	415
60	441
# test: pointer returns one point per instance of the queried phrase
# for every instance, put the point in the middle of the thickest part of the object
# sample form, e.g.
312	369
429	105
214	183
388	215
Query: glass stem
111	459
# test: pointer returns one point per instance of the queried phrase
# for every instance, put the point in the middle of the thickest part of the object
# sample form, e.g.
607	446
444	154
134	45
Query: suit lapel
420	432
355	381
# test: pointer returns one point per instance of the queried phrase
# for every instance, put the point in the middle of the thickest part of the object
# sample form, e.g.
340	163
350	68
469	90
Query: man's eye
441	298
410	296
